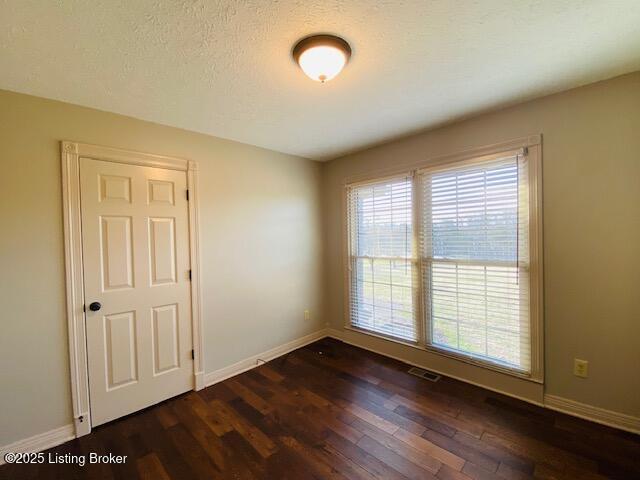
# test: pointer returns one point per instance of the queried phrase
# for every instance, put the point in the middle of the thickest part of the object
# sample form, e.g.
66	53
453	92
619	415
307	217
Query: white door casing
130	241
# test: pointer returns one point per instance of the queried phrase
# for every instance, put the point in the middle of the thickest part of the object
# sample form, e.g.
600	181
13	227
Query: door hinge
187	195
189	274
193	355
84	308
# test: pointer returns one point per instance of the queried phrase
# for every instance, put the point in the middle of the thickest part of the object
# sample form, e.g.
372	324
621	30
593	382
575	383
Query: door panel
115	189
165	338
135	236
163	250
161	192
117	256
120	347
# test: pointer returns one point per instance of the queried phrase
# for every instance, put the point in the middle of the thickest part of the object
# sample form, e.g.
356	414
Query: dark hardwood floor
333	411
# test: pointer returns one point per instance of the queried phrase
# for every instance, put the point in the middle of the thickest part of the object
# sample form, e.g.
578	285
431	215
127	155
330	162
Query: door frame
71	153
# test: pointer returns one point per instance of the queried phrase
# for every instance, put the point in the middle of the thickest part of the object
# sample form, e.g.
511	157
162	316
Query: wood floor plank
159	442
314	372
479	473
92	444
165	416
214	417
269	373
356	371
253	435
545	472
249	396
412	454
425	420
116	443
448	473
465	452
321	469
202	433
445	456
535	455
287	465
367	416
348	467
509	473
390	415
214	420
540	451
244	454
435	414
331	418
197	458
395	461
415	388
373	465
333	411
150	468
499	454
422	399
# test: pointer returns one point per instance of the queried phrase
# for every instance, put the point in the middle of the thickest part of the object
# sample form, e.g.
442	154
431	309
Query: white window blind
382	263
474	252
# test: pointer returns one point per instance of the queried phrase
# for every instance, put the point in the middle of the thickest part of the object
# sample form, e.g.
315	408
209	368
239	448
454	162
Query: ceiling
224	67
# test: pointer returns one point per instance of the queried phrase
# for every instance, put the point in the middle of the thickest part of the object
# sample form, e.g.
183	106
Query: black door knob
95	306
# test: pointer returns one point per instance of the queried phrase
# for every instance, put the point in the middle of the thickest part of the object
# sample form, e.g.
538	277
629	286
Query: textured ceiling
224	67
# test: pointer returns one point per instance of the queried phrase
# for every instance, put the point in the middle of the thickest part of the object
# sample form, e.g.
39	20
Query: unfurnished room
307	239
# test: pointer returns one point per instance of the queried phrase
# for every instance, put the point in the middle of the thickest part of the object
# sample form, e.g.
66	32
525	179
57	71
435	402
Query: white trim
109	154
463	161
400	175
71	152
75	288
256	360
39	442
196	281
337	334
610	418
536	261
496	148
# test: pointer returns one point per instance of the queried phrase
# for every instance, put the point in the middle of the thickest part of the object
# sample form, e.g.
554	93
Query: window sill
406	343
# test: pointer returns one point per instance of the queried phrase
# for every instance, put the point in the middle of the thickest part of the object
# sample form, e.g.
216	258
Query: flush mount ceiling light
322	57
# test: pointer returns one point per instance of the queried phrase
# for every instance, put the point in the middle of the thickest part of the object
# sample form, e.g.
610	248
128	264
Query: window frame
532	147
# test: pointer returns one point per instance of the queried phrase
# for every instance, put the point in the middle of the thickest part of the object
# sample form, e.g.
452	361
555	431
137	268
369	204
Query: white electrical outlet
580	368
307	315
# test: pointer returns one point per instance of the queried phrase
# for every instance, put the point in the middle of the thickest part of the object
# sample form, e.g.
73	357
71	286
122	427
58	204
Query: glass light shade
322	63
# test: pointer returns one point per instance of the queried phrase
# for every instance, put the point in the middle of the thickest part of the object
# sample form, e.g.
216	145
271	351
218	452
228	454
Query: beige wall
261	248
591	182
262	242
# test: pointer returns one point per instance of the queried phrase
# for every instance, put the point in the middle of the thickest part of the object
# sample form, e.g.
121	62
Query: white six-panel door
135	238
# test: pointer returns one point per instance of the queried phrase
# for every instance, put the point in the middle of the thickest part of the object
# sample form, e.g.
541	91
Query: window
474	260
441	257
382	264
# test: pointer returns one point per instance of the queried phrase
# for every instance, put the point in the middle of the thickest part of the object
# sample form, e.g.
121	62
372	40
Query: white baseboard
255	360
594	414
199	383
39	442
